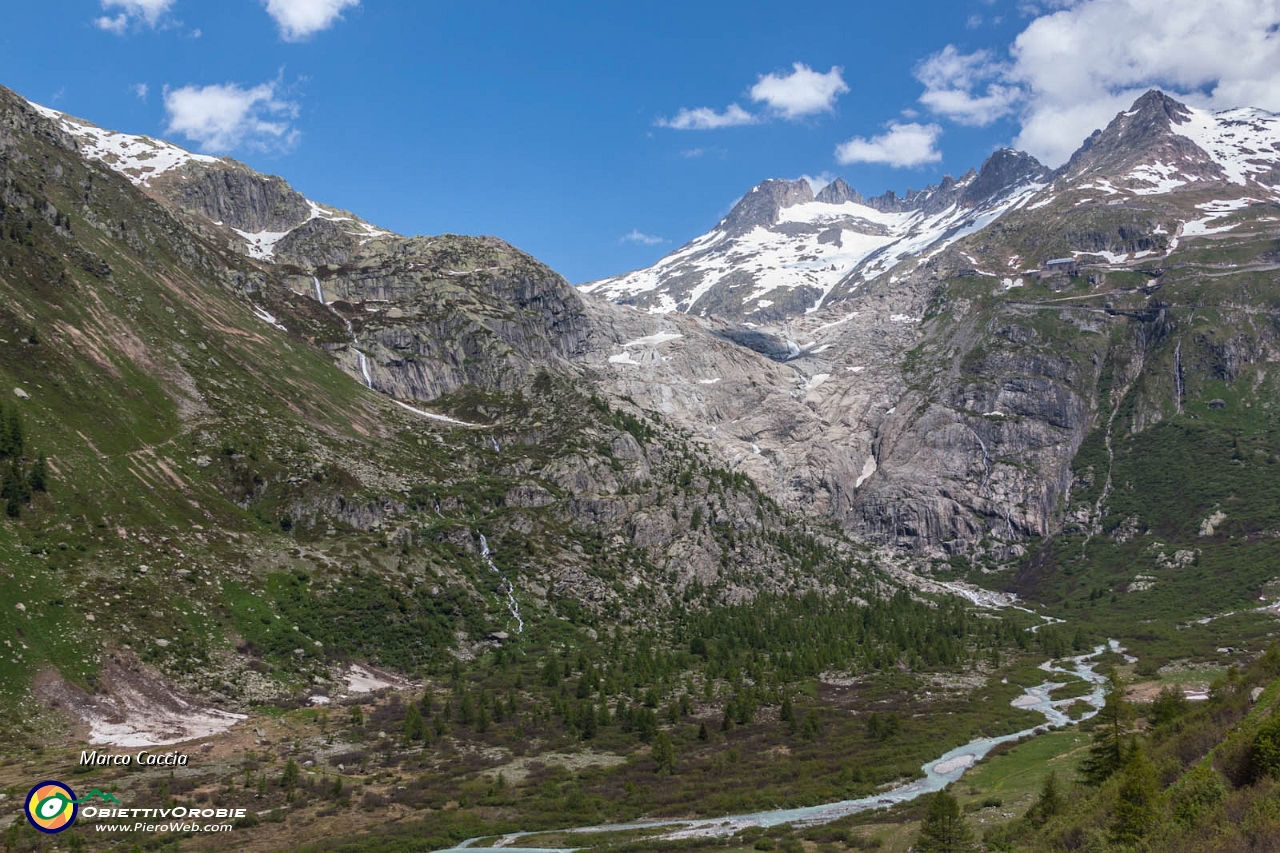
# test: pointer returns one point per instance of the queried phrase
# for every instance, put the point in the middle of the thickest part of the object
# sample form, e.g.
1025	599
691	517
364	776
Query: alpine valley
406	541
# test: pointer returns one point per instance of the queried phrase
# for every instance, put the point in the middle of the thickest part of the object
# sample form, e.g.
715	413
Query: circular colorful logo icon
51	807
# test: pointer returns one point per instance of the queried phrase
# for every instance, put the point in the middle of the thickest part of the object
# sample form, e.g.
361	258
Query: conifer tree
414	727
1107	755
664	753
37	478
944	829
1049	803
1135	813
788	715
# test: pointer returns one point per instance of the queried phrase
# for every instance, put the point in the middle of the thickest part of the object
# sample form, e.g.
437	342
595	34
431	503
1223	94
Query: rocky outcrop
236	196
838	192
443	313
1002	171
761	206
317	242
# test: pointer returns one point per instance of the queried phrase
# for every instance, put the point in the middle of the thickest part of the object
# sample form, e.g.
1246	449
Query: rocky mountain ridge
914	408
780	251
940	407
783	250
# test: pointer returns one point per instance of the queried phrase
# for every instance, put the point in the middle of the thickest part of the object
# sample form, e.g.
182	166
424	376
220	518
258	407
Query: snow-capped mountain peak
783	250
263	212
139	158
1161	145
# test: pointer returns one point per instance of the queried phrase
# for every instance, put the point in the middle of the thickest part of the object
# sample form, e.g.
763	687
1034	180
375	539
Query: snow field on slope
872	240
138	158
1243	141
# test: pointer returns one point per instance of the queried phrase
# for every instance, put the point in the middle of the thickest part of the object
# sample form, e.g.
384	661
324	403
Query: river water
938	773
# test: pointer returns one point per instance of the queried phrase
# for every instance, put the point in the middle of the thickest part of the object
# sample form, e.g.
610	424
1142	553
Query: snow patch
138	158
262	244
868	468
816	380
1237	140
1162	177
268	318
433	416
361	680
654	340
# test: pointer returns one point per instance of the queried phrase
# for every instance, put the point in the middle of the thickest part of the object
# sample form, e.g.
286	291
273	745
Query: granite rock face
435	315
238	197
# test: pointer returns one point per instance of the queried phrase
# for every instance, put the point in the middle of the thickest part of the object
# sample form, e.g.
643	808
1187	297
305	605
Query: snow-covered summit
265	214
1161	145
783	250
139	158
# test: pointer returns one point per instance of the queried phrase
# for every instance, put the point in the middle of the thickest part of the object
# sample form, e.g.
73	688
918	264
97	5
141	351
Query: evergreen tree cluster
19	478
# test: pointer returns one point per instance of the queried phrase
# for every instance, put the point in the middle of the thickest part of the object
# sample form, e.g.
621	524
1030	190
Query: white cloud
1081	61
705	118
635	236
803	92
220	118
712	151
951	79
903	144
141	90
300	19
148	12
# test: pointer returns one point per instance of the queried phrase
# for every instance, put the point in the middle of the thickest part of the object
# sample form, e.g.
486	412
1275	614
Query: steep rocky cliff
939	408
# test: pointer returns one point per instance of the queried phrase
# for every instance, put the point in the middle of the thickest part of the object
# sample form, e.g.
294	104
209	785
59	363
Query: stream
508	588
939	772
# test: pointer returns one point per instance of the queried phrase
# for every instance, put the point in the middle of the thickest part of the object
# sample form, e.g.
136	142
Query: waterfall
1177	374
364	369
361	358
508	588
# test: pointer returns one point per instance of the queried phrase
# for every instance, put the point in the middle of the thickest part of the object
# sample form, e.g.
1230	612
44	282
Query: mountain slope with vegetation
471	545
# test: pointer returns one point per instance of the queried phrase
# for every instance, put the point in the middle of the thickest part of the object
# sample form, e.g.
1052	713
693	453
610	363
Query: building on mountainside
1060	265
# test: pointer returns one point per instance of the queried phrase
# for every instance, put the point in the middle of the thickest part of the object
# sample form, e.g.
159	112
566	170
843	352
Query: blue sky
599	137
